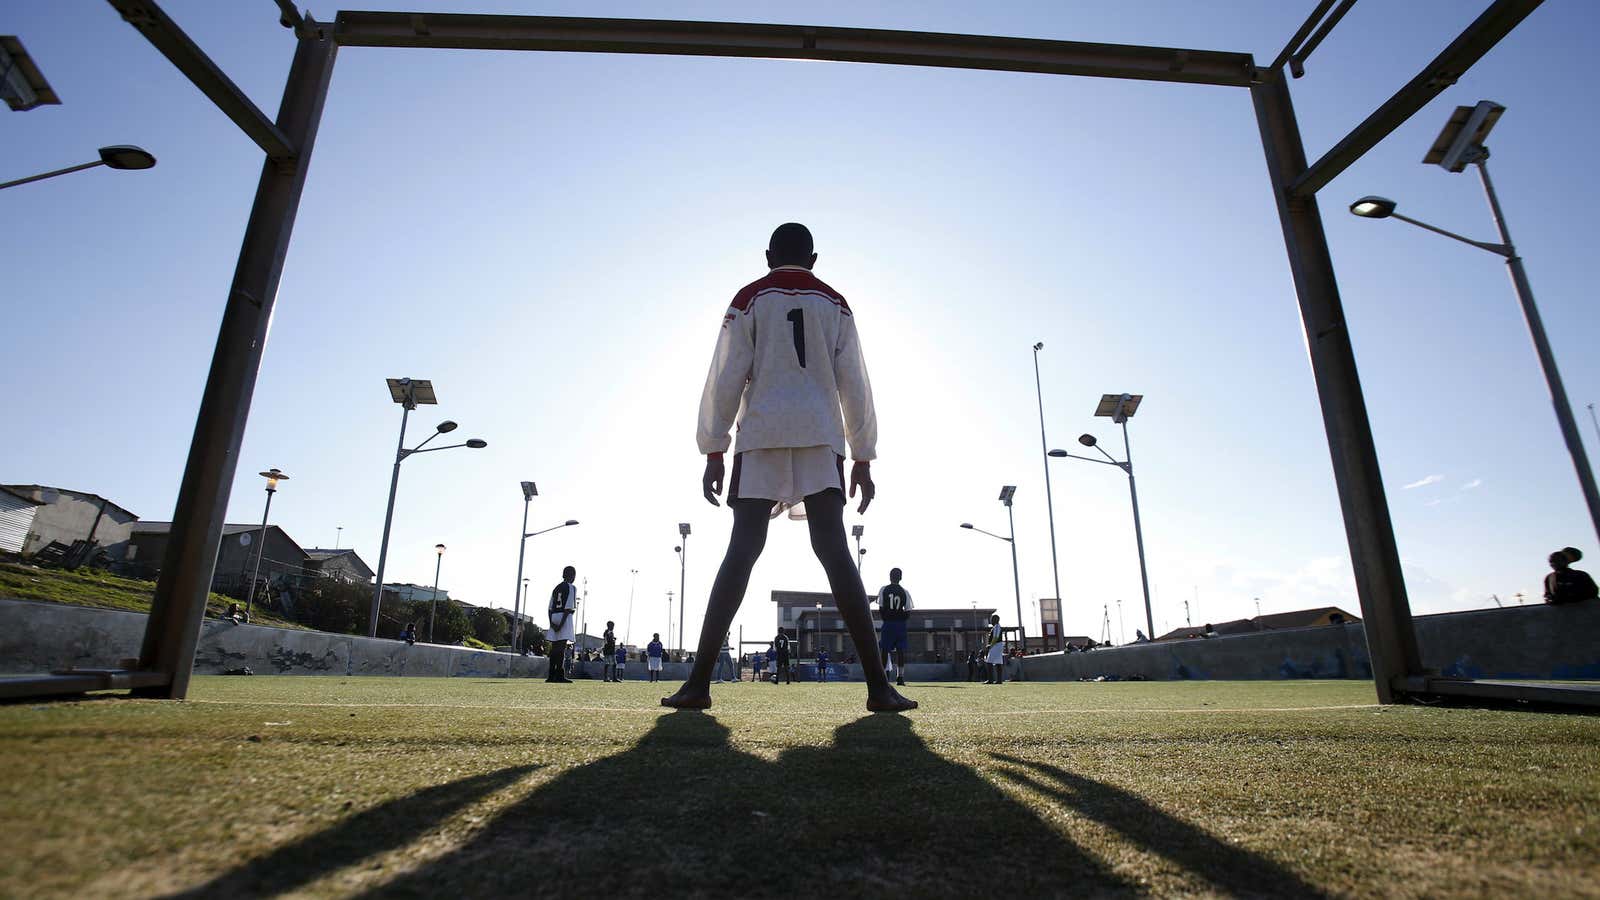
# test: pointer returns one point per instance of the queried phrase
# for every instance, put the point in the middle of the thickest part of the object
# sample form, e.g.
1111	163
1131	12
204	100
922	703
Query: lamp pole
529	491
273	476
516	618
1044	448
683	554
433	601
409	393
669	617
633	582
856	531
1006	493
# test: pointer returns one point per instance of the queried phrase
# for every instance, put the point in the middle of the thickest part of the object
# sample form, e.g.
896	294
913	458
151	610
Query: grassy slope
463	787
88	587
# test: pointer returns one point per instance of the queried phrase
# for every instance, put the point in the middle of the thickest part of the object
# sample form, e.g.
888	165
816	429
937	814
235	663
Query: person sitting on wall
410	634
234	615
1565	584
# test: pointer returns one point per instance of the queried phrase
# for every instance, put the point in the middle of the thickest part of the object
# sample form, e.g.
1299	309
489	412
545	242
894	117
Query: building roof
227	531
321	555
1301	618
20	496
24	489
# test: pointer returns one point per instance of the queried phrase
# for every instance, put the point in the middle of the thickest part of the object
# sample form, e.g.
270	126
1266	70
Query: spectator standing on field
725	662
1565	584
652	653
608	653
622	664
996	657
822	663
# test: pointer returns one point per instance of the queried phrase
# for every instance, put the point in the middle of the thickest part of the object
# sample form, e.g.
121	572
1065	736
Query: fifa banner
1050	622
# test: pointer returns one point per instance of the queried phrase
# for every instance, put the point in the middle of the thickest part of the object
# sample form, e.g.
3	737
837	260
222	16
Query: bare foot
890	702
687	699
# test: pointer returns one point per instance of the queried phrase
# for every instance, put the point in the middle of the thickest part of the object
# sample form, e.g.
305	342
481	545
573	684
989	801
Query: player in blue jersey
652	652
894	605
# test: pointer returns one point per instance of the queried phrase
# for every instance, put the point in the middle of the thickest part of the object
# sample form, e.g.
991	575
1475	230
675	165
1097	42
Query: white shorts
997	655
655	664
564	633
785	474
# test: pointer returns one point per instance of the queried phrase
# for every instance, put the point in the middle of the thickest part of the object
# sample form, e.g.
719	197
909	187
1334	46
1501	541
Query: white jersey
787	361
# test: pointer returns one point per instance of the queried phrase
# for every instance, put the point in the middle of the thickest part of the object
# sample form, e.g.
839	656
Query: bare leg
825	516
749	538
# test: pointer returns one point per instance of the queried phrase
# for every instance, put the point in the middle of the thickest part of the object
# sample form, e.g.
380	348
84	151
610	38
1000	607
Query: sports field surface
320	786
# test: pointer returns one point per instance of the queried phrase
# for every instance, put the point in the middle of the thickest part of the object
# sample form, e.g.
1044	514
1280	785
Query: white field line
654	710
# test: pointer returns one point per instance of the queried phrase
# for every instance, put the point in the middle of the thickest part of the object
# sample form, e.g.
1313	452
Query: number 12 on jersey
797	318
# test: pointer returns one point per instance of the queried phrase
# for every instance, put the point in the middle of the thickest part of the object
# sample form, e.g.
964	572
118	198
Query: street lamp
816	643
1119	408
529	491
1459	144
409	393
118	156
1049	502
857	531
273	476
1006	493
683	553
433	601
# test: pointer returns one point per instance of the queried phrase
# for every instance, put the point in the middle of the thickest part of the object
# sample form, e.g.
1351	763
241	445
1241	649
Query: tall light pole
856	531
669	616
1461	144
1044	448
1006	493
683	553
121	156
1120	407
409	393
633	582
273	476
433	601
529	491
516	617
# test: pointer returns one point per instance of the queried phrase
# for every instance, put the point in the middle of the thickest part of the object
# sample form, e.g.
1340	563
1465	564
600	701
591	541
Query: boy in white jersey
894	605
996	656
563	611
787	363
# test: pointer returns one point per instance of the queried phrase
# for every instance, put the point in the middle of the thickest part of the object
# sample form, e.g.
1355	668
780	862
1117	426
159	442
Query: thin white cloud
1431	479
1472	484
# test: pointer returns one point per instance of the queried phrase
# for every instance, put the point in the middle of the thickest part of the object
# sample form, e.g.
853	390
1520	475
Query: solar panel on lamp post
1459	145
273	476
1119	408
409	393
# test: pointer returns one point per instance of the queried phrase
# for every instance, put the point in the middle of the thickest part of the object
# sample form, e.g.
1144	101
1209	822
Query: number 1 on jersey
798	318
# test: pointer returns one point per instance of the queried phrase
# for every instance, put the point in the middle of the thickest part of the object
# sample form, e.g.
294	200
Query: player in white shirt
788	370
996	658
563	610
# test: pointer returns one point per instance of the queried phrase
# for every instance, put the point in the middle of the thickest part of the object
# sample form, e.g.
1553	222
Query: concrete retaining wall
1541	641
1561	642
40	637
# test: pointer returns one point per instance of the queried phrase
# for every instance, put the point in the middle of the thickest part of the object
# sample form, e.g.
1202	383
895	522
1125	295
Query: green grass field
321	786
90	587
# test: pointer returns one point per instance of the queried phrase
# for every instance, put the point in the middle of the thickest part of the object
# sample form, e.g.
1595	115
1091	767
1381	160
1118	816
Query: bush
491	626
474	643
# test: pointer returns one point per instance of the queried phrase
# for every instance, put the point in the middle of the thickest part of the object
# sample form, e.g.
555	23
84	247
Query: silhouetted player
563	610
787	361
894	604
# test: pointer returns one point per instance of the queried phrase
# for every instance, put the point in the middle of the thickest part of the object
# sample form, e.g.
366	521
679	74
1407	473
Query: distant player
608	654
563	611
725	662
781	668
789	372
757	666
894	604
996	658
822	663
622	664
652	655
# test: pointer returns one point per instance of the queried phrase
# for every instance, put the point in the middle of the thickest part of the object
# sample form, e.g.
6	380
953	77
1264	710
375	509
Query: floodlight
966	524
1059	454
410	392
1088	440
1461	140
683	528
126	156
529	490
1118	406
477	443
1039	346
446	427
21	82
439	549
678	549
570	522
1006	493
1373	207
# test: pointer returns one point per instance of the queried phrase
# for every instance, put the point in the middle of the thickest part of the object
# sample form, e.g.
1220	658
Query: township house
933	634
59	525
1300	618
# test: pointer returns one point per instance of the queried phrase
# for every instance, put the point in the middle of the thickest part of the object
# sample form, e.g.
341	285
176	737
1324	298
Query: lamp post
273	476
529	491
409	393
683	553
816	642
1006	493
119	156
856	531
669	618
1119	408
1461	144
1049	501
633	582
433	601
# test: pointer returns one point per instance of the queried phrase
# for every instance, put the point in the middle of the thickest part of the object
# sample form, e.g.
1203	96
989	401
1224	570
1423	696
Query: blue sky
552	239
